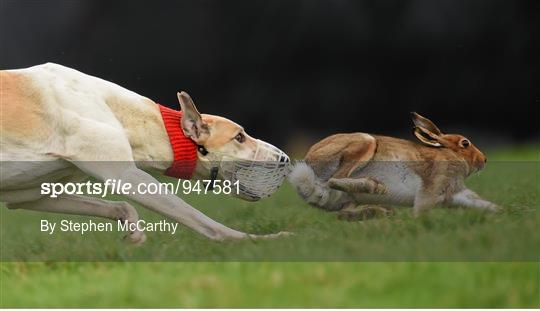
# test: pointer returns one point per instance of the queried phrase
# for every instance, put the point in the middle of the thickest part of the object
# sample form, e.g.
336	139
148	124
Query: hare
346	170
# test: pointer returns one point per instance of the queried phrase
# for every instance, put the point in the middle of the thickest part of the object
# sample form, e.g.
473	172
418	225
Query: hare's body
346	170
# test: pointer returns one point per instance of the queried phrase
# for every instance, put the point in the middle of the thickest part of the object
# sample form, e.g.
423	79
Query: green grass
450	258
234	284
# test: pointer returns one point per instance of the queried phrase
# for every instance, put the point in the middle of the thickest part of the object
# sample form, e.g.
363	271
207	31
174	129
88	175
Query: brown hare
346	170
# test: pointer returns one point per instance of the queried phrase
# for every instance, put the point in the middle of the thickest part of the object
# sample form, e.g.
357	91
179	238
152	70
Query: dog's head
216	134
258	166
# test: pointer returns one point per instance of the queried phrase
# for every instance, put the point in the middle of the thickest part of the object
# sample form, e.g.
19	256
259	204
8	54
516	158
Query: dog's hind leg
86	206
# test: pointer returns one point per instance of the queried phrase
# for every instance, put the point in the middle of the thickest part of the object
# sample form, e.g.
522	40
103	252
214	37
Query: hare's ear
426	131
192	123
425	123
426	137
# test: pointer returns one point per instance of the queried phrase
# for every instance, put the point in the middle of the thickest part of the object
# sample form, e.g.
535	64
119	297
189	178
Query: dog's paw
270	236
135	238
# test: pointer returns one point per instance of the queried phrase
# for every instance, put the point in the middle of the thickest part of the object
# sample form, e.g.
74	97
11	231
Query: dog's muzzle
258	178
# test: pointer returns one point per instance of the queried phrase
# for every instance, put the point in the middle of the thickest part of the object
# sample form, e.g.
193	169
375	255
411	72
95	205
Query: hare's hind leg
469	198
351	151
353	212
357	185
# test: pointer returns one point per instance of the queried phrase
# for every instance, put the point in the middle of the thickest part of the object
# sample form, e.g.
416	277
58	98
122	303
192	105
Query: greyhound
68	126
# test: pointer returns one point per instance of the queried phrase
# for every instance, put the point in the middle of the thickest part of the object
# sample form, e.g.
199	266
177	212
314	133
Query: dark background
294	71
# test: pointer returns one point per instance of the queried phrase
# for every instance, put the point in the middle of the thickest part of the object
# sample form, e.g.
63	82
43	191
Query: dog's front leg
168	205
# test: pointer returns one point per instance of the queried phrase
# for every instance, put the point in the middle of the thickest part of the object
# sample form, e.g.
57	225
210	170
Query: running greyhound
66	126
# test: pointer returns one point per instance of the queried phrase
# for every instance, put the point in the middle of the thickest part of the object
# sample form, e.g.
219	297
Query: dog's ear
192	123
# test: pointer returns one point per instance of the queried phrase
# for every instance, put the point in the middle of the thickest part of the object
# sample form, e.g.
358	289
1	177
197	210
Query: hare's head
429	134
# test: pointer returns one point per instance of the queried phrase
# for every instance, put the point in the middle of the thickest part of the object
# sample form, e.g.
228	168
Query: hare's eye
465	143
240	138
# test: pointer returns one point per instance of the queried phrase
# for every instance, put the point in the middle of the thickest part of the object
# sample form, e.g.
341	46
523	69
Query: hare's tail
312	189
303	178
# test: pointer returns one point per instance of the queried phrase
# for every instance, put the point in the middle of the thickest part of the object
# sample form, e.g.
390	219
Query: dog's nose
485	160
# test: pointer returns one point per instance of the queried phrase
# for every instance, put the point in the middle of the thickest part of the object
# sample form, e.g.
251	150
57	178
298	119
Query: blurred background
294	71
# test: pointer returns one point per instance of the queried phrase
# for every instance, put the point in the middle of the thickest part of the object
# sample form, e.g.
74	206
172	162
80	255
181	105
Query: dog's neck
190	161
149	139
184	149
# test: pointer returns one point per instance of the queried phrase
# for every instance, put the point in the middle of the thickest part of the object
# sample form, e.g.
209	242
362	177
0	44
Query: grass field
450	258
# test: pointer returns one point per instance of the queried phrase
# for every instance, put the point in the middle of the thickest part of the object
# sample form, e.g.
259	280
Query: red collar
184	149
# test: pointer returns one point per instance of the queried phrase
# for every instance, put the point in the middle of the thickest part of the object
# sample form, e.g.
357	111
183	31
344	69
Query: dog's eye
240	138
465	143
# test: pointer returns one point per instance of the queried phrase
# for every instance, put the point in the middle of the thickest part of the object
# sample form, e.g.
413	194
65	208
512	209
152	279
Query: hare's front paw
357	185
377	187
494	208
